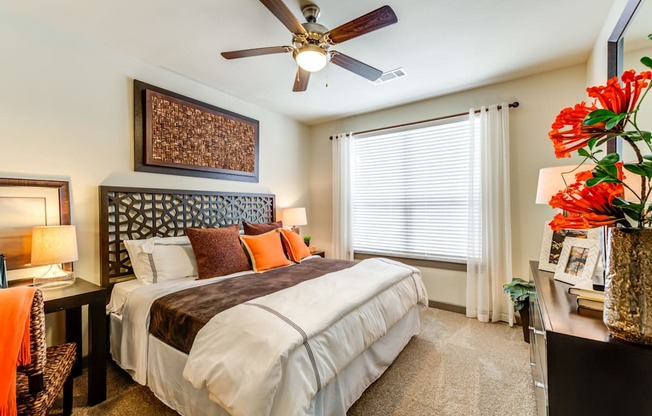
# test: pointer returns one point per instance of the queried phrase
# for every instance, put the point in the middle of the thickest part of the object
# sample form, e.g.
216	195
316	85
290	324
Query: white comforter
270	356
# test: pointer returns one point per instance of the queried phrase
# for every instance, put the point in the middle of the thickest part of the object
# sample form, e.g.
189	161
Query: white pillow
159	258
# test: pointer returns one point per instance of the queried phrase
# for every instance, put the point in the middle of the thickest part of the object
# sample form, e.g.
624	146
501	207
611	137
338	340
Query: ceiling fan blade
282	13
301	80
371	21
244	53
355	66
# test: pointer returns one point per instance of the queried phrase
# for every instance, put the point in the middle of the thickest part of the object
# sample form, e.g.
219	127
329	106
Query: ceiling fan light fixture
311	58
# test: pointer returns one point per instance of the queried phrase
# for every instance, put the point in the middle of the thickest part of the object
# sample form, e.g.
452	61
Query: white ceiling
444	46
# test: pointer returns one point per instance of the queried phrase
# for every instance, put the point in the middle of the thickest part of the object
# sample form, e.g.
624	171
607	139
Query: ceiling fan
311	41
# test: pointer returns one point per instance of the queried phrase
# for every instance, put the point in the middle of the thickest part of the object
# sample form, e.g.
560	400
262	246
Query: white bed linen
137	348
135	321
165	367
119	295
277	351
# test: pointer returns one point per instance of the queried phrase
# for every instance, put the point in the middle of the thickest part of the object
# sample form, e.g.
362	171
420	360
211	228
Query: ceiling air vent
390	76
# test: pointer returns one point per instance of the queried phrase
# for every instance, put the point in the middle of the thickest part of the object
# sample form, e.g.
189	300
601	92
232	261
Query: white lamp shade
294	216
551	180
54	244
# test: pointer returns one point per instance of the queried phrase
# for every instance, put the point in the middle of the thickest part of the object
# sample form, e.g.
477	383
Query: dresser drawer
538	359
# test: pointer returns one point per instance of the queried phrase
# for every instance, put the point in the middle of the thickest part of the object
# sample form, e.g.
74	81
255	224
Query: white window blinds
411	191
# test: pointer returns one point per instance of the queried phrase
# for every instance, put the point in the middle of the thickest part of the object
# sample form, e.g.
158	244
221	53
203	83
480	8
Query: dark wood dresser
578	368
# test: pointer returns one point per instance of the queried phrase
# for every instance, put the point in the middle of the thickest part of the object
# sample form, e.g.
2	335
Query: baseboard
447	307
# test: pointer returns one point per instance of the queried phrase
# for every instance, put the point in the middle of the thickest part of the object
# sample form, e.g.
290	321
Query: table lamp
51	246
295	217
551	180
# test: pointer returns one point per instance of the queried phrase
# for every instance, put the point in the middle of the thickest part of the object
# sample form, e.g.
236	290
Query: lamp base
55	277
296	229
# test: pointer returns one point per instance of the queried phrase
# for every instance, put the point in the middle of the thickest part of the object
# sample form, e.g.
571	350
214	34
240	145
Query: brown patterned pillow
218	251
256	229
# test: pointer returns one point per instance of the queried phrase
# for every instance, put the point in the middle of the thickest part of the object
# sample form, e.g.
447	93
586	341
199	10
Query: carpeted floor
456	366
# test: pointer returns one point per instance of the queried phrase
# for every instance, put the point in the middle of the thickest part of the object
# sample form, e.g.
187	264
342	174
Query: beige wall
596	67
66	114
541	97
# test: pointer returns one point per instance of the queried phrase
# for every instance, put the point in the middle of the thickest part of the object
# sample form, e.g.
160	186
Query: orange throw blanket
15	309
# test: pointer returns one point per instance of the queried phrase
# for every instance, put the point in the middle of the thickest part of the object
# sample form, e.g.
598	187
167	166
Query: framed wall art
25	203
179	135
577	261
553	242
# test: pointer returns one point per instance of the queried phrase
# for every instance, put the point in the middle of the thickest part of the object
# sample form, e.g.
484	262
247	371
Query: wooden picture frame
578	259
178	135
25	203
553	242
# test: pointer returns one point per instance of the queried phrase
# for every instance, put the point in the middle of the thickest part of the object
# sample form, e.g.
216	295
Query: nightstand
319	253
71	299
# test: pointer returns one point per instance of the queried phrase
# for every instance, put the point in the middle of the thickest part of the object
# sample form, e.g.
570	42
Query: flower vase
628	285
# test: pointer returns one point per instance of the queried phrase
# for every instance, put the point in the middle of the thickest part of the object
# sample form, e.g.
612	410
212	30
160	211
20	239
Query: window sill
435	264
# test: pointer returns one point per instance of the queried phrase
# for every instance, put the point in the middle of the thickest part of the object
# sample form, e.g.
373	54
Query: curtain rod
515	104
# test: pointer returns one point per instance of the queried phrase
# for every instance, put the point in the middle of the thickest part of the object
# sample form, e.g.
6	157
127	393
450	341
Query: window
411	191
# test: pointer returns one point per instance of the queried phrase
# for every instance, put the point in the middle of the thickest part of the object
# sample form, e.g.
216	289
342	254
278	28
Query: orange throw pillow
294	245
265	251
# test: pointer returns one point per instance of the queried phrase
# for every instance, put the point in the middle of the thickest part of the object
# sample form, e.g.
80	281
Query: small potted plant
519	291
306	239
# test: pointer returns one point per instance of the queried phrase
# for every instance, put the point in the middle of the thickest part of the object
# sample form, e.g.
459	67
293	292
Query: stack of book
587	297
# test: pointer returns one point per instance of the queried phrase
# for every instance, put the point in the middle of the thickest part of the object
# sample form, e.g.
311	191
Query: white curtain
343	149
489	263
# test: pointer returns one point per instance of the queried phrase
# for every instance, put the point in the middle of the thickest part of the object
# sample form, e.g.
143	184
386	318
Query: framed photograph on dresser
553	242
577	261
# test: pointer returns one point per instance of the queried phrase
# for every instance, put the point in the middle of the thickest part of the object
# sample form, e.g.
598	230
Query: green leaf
647	136
640	169
647	61
647	157
634	214
609	160
583	152
613	122
598	116
620	203
591	143
633	210
592	182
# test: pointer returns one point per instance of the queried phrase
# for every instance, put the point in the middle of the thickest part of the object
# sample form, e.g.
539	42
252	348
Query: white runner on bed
270	356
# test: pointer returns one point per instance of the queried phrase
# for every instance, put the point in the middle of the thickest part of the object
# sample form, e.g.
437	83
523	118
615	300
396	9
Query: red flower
583	176
588	207
621	98
569	134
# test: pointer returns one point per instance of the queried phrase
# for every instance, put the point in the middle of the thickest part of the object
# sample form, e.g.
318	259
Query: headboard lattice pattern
139	213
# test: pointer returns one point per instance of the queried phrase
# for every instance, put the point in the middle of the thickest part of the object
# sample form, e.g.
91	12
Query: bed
277	342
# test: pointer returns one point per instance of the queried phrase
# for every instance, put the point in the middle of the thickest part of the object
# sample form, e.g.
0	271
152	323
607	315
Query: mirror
627	44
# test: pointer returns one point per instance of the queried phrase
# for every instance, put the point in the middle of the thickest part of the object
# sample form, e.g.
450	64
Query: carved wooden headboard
139	213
